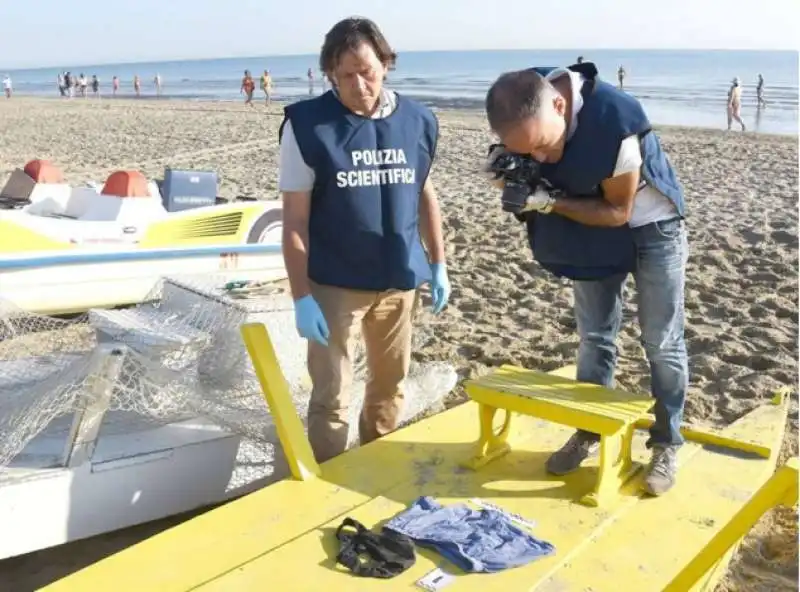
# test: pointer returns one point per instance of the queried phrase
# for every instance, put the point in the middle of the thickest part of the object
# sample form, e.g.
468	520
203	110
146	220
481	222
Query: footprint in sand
784	238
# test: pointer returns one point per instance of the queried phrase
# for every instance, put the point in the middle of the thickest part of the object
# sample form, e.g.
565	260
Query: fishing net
176	357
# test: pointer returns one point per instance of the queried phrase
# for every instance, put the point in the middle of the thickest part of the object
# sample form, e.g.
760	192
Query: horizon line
400	51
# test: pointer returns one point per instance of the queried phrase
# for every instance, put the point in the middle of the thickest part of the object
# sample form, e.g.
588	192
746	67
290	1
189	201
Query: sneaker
579	447
660	475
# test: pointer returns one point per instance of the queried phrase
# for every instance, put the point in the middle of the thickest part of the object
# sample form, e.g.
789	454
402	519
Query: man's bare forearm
295	257
430	223
592	211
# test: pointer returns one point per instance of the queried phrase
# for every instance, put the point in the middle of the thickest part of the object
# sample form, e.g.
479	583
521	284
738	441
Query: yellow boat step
612	414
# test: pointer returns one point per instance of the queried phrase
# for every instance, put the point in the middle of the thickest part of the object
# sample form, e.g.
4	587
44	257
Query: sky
51	32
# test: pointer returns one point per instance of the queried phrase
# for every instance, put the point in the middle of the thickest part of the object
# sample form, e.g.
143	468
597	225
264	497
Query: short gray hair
516	96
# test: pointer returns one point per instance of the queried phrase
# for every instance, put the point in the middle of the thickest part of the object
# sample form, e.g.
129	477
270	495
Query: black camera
521	176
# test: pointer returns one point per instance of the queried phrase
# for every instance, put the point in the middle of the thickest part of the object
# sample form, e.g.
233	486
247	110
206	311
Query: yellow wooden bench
610	413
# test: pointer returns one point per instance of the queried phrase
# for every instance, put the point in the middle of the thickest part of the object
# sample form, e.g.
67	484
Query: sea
676	87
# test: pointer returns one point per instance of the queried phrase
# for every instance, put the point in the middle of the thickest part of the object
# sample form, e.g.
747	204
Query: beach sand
741	296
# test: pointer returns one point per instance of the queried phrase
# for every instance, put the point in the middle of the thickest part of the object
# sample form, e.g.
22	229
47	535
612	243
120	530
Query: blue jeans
660	276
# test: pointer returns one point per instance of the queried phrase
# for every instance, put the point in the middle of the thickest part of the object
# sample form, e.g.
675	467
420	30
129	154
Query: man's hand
440	287
539	201
310	321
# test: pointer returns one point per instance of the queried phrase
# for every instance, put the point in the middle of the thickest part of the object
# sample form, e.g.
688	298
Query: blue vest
567	248
364	225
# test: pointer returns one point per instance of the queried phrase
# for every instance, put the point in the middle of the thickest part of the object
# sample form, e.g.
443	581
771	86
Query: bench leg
616	467
490	445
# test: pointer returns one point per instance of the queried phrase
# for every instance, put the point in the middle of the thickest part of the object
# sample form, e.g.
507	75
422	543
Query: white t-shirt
7	83
293	172
649	205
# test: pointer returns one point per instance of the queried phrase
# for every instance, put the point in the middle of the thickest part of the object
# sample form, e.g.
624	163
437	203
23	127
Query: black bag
371	555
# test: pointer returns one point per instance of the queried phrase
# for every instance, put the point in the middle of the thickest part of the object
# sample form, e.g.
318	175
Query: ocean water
676	87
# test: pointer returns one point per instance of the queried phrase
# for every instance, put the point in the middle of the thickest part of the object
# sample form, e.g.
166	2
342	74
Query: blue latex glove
310	321
440	287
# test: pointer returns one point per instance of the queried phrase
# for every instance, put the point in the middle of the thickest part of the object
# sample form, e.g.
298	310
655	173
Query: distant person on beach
621	77
613	207
266	87
735	103
137	85
760	92
310	76
95	86
248	87
83	84
8	86
61	87
580	59
355	266
157	82
114	85
69	83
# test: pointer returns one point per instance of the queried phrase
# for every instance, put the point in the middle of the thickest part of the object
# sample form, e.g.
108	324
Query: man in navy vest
611	206
354	174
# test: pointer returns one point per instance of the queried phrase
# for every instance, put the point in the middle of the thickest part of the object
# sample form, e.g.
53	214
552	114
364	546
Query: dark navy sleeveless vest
364	224
567	248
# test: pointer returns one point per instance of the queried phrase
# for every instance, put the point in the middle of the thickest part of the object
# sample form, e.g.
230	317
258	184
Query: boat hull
64	283
60	265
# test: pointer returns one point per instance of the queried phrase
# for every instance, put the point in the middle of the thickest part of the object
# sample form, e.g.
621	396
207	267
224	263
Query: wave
778	97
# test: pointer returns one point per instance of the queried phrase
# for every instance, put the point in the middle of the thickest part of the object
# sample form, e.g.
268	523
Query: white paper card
436	580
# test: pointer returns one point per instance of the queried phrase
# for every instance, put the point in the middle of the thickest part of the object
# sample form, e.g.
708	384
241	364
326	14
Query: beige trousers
385	322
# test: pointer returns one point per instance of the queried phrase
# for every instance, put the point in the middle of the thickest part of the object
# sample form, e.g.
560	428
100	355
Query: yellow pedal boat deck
282	537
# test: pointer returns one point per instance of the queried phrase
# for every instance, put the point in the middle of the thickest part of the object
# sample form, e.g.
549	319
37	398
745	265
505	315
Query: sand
742	290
